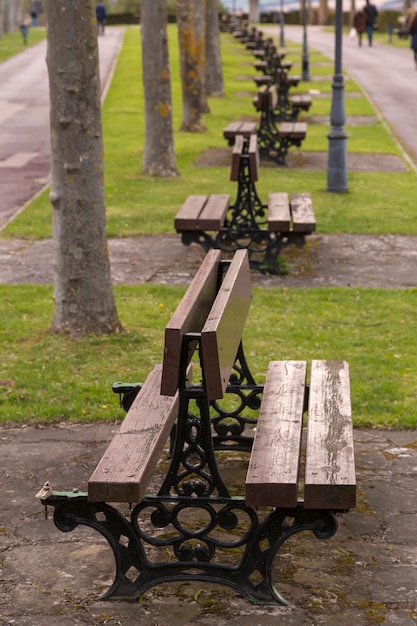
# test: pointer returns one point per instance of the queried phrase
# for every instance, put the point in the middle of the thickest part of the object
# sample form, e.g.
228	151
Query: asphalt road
25	149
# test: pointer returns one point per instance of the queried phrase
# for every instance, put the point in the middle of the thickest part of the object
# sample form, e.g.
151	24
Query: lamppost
337	153
281	26
305	59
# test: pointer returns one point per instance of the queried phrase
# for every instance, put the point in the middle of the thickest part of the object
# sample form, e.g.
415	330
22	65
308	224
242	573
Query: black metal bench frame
274	142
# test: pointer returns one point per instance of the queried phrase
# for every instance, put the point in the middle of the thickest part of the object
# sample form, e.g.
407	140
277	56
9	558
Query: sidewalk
25	150
366	574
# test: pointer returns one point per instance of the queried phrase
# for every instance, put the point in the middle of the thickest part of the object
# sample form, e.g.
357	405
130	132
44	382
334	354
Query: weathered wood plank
303	218
272	97
124	471
189	316
272	477
300	130
214	211
294	130
222	332
330	481
247	129
253	158
279	216
187	216
236	156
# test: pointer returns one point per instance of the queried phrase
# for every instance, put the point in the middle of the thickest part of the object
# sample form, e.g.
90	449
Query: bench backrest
252	156
267	98
214	309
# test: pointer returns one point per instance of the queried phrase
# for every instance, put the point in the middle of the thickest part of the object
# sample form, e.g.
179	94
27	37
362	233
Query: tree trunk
191	35
1	18
254	15
323	12
7	16
214	70
84	301
158	154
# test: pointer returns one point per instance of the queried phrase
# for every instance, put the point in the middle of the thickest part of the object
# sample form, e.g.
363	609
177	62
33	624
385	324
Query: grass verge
48	378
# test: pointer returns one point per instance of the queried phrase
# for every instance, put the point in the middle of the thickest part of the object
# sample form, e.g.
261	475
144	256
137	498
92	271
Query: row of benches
273	102
194	526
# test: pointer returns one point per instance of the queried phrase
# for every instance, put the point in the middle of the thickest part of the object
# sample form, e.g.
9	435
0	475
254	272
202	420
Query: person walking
413	34
24	27
101	17
371	13
359	24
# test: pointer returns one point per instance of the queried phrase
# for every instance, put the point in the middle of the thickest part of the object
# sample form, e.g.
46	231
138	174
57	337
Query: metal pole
305	59
337	154
281	26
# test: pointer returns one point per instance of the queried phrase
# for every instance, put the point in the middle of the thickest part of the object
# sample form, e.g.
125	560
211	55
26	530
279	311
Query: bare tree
214	70
1	18
84	301
254	15
323	12
191	35
158	155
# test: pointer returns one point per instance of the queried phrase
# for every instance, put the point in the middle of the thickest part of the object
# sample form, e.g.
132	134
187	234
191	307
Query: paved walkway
25	151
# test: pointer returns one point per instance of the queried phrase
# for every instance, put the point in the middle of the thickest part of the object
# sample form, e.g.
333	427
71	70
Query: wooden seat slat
187	217
303	219
279	216
330	481
214	211
223	329
246	129
272	477
125	469
189	316
297	130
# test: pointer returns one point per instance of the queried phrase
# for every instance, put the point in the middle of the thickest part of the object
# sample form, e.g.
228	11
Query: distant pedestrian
359	24
101	17
413	33
33	14
24	27
371	14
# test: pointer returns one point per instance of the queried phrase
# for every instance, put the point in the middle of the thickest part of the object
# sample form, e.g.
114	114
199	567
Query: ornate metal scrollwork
200	547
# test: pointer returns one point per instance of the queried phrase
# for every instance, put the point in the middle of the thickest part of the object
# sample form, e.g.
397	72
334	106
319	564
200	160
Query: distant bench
263	229
195	522
286	108
274	141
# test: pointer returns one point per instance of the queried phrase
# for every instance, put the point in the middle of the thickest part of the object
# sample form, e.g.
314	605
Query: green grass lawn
48	378
12	43
138	205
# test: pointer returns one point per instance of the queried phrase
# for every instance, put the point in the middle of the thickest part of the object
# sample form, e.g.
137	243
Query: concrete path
25	151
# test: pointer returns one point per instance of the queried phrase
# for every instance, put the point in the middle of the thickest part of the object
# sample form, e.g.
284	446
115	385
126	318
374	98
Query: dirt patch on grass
316	161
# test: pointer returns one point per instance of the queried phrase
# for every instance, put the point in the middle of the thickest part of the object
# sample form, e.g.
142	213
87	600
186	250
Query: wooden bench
232	130
275	141
269	59
264	229
192	521
287	108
